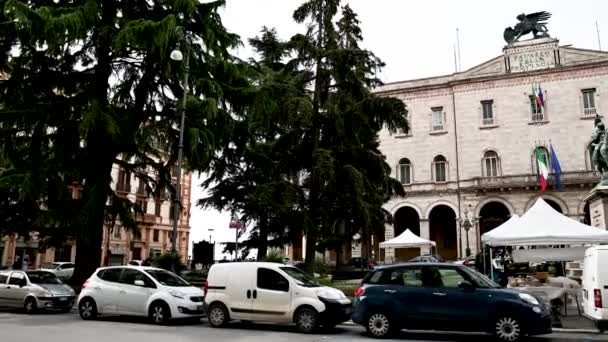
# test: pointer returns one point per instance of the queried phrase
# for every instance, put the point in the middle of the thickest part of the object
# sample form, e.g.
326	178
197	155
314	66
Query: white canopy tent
543	225
407	239
504	227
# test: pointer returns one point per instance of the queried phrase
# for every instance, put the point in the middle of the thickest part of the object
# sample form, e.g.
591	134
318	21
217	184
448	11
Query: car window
3	278
39	277
129	277
66	266
403	276
271	280
16	279
450	277
110	274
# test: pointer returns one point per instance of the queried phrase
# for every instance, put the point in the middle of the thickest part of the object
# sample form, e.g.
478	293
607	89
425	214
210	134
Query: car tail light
597	296
359	291
205	287
86	283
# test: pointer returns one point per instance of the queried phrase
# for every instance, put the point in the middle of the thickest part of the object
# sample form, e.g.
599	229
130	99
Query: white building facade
468	164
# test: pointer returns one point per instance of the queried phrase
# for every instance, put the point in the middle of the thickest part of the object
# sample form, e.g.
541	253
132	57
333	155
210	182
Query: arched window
545	152
490	164
440	169
405	171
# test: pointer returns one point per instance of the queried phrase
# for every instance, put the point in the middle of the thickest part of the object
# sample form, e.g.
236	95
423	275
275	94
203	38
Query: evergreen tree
92	86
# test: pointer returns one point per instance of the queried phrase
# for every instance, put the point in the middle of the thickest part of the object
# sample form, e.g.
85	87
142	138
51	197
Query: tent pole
491	266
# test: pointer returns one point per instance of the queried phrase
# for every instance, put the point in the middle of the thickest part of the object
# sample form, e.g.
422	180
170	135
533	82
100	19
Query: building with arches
470	151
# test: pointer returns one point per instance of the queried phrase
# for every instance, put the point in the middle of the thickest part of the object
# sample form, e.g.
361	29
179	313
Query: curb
555	330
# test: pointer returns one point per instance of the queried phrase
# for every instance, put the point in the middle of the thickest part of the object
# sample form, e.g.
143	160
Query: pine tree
93	87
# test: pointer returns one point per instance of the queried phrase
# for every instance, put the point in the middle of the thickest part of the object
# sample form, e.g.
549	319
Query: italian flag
543	169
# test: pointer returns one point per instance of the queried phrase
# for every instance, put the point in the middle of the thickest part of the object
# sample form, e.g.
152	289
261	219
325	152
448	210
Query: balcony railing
578	177
590	111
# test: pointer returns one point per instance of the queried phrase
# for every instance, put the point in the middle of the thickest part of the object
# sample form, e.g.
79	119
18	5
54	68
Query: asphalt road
17	327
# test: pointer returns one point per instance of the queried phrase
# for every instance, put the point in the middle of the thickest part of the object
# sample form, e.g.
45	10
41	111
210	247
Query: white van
272	292
595	286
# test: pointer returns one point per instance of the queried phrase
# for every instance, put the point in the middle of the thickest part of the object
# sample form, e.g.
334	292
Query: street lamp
178	56
466	225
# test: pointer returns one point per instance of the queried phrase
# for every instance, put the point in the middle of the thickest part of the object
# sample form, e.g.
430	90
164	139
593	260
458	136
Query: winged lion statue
536	23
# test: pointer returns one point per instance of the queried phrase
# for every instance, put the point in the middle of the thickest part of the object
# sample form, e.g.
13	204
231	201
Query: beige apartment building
118	245
468	162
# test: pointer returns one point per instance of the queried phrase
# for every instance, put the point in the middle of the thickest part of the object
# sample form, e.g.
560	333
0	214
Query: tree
249	175
347	176
93	88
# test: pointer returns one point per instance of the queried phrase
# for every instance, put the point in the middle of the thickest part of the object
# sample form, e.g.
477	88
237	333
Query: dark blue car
447	297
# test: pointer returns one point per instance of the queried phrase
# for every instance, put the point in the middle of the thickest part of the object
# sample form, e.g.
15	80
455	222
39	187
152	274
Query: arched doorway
554	205
406	218
442	229
586	214
492	215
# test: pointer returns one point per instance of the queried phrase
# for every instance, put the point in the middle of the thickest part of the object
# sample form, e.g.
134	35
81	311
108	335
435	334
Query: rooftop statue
536	23
599	144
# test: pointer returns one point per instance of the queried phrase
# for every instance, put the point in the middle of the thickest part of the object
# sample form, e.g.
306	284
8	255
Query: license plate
200	307
63	299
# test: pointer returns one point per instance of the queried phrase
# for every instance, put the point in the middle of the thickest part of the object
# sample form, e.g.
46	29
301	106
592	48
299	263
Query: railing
577	177
538	117
488	121
589	111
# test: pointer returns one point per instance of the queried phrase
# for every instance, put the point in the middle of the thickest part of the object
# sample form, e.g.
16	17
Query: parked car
34	291
63	270
272	292
444	296
139	291
425	258
468	261
595	286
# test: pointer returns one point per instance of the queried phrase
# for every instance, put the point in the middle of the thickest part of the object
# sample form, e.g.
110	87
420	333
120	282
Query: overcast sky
415	39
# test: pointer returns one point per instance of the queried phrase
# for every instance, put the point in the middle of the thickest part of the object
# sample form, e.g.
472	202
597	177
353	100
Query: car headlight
177	294
529	298
331	295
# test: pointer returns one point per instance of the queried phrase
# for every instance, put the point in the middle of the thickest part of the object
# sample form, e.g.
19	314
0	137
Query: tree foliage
92	88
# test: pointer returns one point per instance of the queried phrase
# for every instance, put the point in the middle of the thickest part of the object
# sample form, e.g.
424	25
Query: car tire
217	314
508	329
87	309
159	313
307	320
379	325
30	306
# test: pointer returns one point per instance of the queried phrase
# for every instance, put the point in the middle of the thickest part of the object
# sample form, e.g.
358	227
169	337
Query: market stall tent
543	225
407	239
505	226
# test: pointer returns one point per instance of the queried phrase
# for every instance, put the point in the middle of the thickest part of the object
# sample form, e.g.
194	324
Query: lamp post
177	56
466	225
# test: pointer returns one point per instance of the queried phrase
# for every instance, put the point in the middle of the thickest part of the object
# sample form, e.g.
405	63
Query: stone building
155	226
468	161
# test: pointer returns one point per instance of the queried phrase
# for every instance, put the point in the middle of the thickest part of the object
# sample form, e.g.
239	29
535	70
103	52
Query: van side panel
602	276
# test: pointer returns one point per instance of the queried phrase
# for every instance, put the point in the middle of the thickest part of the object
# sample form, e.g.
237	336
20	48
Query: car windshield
43	278
302	278
167	278
481	280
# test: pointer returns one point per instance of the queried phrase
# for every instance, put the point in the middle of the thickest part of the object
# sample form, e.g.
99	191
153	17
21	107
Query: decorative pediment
495	66
573	56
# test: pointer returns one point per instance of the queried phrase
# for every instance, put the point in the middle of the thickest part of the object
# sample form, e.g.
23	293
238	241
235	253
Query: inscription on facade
533	60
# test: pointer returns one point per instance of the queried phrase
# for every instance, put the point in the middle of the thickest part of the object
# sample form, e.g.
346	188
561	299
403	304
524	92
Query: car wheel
30	306
307	320
508	329
217	315
87	309
159	313
379	325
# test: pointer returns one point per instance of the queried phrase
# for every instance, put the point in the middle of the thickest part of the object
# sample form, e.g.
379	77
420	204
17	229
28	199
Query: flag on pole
540	98
557	169
543	170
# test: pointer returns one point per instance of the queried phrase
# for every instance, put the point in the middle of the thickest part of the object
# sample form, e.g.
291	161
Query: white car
270	292
139	291
63	270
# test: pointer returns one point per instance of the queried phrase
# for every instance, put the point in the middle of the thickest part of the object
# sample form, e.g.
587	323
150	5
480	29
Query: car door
107	289
17	290
271	295
239	290
4	300
134	298
449	303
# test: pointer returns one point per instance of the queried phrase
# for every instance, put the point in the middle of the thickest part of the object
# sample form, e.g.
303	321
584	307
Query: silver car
35	290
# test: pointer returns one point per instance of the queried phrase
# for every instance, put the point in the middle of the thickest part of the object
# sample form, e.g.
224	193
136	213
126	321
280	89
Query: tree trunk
263	235
90	236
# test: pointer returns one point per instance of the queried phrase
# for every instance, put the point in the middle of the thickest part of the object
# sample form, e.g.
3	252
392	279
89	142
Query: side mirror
465	284
139	283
